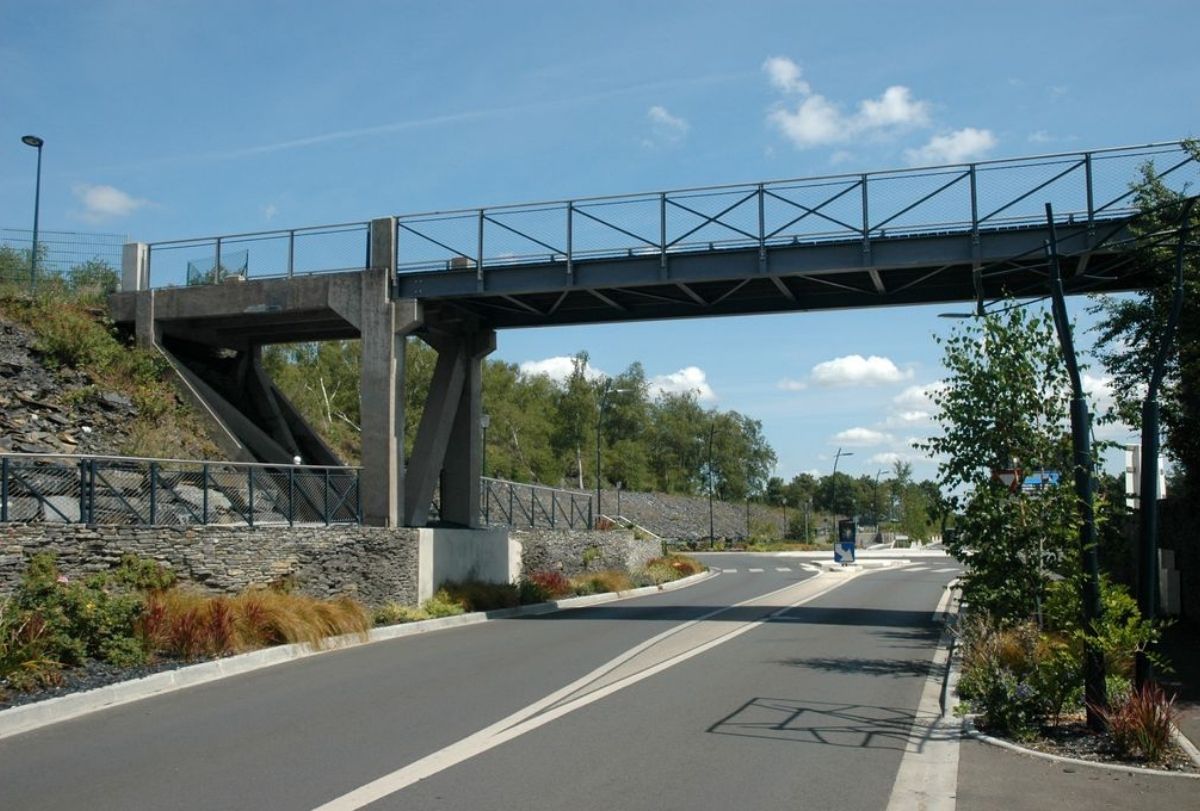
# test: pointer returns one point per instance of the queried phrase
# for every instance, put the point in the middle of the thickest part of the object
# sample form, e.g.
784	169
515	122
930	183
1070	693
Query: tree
1132	326
1005	406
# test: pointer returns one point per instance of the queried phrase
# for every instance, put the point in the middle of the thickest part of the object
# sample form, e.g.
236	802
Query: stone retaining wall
372	564
576	551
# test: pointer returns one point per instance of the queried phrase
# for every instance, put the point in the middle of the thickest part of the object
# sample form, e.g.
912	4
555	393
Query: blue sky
176	119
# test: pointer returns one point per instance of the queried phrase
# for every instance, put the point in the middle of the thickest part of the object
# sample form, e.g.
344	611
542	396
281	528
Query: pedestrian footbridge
963	233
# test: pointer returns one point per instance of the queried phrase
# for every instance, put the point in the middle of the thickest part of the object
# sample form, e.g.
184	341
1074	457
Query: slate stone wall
577	551
372	564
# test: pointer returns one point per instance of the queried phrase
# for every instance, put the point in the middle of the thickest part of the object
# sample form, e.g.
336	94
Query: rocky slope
46	410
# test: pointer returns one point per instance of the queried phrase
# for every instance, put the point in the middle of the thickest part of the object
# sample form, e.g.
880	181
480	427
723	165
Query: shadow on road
861	617
896	668
855	726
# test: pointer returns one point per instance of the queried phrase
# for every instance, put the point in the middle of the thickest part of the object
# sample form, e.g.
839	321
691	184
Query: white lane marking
730	571
544	711
918	568
944	571
755	570
808	567
944	602
928	775
782	569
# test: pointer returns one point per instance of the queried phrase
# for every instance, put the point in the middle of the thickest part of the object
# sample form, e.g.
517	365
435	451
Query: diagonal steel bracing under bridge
969	232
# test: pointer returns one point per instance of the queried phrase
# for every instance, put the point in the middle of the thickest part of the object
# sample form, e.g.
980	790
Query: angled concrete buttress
448	445
212	336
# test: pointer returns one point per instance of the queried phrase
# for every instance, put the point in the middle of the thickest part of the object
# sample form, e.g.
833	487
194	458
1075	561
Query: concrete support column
135	267
145	328
384	325
464	452
448	444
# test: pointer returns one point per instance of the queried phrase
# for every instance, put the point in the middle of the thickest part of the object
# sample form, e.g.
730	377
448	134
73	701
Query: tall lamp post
599	422
712	428
37	143
485	420
837	458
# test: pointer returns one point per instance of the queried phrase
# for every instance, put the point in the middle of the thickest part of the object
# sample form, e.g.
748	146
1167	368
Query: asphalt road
809	709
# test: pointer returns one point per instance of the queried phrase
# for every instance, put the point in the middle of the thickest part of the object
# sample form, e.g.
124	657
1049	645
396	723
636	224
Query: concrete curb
28	717
971	732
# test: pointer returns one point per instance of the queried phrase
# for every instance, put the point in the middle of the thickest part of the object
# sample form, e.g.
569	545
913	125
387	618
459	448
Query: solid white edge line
532	717
928	775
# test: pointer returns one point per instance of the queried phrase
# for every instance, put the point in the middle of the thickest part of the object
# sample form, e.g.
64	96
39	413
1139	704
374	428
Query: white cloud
919	398
784	75
959	146
886	458
269	211
105	202
896	108
559	368
855	370
914	417
787	384
689	379
1040	137
861	437
816	121
665	128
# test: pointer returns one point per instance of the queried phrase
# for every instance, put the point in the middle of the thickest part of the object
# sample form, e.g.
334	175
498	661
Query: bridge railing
512	504
115	490
988	195
259	255
967	198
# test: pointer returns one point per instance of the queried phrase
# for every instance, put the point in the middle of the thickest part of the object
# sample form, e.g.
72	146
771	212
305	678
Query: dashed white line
918	568
782	569
730	571
944	571
759	571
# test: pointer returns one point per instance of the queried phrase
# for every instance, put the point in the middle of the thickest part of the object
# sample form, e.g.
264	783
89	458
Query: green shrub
442	604
395	614
474	595
1016	677
1121	632
83	618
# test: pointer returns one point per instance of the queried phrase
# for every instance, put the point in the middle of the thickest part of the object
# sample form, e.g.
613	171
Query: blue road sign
843	550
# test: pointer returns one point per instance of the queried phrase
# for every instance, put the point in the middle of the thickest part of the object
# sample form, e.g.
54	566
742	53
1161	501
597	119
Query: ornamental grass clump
1140	723
191	625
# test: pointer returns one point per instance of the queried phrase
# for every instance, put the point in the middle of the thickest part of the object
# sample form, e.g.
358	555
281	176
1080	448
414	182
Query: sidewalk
1181	647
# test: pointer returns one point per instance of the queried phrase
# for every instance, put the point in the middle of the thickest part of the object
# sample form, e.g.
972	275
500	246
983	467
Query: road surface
720	695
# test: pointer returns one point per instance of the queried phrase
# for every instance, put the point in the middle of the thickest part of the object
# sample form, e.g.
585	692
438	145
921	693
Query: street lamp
37	143
712	428
485	420
836	459
599	422
783	501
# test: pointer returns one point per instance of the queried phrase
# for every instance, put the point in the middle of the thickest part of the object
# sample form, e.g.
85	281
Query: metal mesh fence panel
65	259
145	492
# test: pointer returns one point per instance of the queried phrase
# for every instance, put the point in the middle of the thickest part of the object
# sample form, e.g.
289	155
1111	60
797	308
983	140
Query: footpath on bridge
990	777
